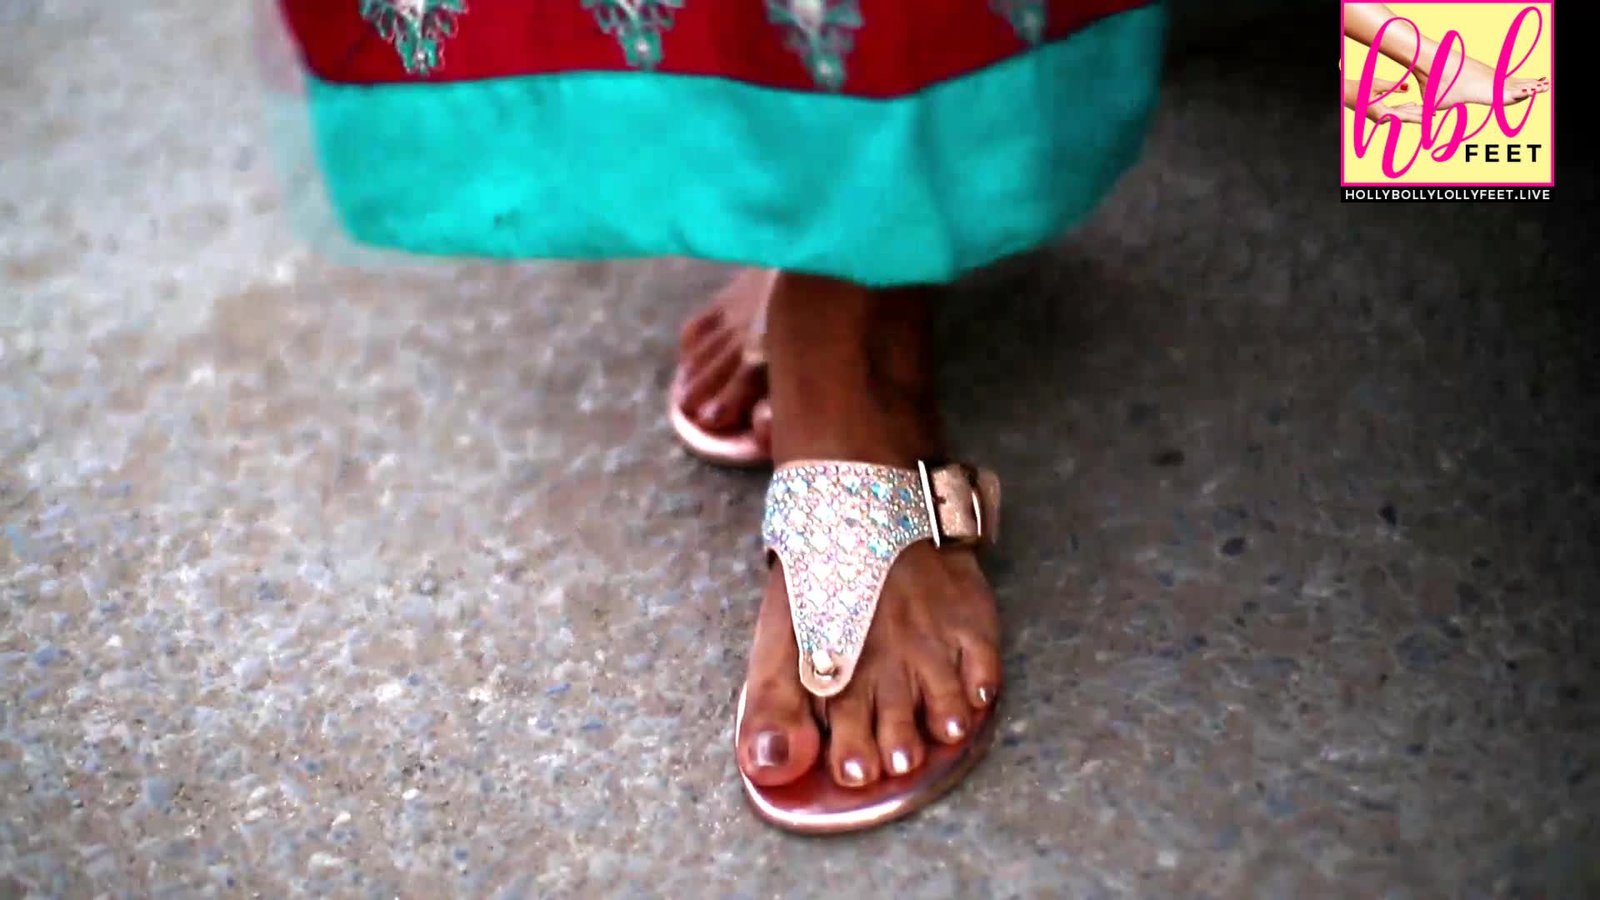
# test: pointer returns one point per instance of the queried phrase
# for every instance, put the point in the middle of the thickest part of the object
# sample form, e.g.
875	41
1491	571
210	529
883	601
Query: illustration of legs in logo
1405	112
1406	45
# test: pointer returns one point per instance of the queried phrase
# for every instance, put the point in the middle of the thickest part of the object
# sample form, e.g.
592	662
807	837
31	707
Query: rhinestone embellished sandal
739	450
838	528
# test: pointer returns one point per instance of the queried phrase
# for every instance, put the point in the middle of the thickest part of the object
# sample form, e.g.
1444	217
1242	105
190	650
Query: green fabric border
584	166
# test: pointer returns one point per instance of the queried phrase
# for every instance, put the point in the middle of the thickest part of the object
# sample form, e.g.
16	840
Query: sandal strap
838	528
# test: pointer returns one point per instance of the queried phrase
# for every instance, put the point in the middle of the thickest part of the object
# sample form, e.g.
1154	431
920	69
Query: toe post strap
838	527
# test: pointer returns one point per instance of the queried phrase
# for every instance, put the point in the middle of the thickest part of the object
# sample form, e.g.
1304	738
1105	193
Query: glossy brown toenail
854	772
985	695
899	762
771	750
954	729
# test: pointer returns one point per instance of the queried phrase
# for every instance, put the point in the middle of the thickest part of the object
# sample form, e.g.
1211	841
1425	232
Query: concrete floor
392	582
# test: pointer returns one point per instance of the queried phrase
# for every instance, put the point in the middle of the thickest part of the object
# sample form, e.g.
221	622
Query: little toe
980	669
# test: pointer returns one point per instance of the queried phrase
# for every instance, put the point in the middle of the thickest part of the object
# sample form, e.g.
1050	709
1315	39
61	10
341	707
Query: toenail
854	772
899	762
954	730
771	750
985	695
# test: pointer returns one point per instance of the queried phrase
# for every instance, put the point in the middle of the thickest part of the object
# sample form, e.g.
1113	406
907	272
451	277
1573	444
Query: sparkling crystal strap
838	527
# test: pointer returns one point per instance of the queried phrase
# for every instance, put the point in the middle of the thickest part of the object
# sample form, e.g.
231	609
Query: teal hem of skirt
587	166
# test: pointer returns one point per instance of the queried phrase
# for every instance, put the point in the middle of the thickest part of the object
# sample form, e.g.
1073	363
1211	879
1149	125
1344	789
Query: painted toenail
953	729
771	750
854	772
899	762
984	696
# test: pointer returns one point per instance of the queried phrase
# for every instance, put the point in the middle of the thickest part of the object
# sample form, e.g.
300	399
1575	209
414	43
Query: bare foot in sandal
852	379
721	386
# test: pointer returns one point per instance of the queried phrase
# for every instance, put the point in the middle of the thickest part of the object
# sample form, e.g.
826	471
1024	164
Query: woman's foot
724	378
852	379
1376	111
1403	43
1476	84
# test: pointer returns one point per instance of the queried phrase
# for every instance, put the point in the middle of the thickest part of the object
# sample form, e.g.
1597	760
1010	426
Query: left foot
1405	112
724	389
852	380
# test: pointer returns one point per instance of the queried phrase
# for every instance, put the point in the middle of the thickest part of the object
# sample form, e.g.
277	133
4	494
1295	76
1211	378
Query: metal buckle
933	501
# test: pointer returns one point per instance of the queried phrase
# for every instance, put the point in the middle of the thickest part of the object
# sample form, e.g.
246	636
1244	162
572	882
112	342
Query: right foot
1475	84
852	380
725	390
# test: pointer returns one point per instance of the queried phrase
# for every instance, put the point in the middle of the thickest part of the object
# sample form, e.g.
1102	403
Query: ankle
852	373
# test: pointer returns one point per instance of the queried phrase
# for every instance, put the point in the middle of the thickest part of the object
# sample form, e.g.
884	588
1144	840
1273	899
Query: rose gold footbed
815	804
738	450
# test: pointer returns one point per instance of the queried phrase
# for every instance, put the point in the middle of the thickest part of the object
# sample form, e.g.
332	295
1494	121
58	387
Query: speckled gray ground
393	583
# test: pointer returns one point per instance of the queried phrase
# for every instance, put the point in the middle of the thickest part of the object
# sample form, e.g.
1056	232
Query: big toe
778	738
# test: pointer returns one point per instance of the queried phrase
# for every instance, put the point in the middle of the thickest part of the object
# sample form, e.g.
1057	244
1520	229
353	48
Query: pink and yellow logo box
1448	94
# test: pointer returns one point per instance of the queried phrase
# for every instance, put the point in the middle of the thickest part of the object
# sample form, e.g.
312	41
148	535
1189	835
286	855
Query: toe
733	402
761	423
947	717
980	669
779	740
703	353
706	323
706	380
900	747
852	750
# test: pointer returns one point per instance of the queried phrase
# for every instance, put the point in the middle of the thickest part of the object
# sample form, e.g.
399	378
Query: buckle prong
933	501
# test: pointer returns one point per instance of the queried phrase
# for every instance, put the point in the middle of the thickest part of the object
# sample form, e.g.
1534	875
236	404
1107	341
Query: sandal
738	450
838	528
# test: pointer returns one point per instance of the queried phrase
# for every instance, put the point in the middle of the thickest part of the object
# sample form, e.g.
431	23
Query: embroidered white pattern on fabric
822	32
418	29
